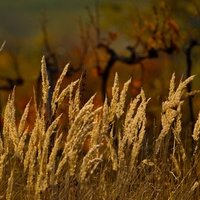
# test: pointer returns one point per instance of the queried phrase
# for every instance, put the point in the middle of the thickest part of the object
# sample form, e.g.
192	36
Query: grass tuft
103	152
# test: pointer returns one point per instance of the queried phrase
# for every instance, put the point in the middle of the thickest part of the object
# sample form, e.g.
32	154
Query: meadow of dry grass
119	163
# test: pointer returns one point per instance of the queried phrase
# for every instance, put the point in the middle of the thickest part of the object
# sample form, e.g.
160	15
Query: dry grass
46	163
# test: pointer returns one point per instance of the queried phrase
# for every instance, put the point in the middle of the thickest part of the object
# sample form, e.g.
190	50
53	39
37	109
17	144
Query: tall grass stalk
115	164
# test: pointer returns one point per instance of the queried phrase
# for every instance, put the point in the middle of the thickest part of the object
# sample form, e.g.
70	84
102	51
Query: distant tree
9	82
149	33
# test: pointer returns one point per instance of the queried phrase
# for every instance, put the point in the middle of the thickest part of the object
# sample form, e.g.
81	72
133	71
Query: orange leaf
173	25
112	35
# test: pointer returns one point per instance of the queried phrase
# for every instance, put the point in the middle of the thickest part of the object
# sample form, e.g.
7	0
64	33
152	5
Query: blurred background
144	40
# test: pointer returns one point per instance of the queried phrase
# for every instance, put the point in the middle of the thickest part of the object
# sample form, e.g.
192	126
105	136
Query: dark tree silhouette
10	83
188	53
